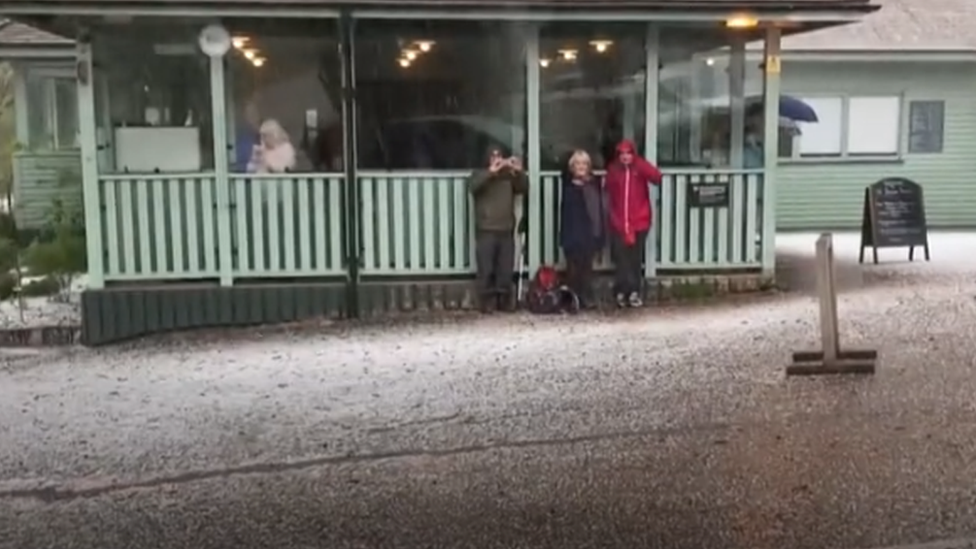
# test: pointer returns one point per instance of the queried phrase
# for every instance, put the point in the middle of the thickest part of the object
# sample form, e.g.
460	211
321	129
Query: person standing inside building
627	185
495	190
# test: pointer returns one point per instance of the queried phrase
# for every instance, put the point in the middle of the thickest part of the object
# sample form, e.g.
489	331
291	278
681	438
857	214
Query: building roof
13	33
613	4
900	25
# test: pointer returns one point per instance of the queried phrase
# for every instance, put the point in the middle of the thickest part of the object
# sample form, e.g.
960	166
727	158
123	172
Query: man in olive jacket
495	190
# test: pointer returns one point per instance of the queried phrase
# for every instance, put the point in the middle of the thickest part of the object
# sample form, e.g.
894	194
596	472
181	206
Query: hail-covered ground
666	428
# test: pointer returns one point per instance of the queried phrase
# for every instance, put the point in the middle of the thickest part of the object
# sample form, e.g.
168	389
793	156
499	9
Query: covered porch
388	111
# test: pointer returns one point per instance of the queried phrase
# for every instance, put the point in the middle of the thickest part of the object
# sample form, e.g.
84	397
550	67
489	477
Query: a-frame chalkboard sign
894	217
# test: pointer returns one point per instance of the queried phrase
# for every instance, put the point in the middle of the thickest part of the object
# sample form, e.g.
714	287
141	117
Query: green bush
8	255
8	282
43	287
63	256
8	228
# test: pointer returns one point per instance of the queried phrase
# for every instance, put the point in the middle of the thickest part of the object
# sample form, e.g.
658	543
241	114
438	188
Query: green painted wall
828	195
39	178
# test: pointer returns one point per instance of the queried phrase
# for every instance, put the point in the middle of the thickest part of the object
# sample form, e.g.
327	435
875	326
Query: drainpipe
352	252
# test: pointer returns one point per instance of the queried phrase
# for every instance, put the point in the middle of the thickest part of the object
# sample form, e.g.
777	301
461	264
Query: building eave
647	10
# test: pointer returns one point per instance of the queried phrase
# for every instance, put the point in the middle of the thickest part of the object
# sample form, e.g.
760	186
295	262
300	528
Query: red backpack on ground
547	294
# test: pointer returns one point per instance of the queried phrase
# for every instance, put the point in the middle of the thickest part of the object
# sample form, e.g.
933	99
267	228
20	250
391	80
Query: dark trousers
495	254
579	275
628	263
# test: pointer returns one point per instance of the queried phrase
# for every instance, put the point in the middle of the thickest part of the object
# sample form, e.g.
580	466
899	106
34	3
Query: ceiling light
568	55
425	45
710	61
258	61
601	45
404	62
239	41
250	54
741	22
409	55
543	62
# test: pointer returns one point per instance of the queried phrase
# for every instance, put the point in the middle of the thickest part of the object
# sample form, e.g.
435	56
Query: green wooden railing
416	224
684	238
287	225
413	224
159	226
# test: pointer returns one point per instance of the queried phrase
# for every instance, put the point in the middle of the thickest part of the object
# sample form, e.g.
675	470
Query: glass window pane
592	90
157	94
710	110
66	106
435	95
823	137
39	109
873	124
285	97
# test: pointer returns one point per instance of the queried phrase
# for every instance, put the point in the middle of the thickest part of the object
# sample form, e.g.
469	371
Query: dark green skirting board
116	314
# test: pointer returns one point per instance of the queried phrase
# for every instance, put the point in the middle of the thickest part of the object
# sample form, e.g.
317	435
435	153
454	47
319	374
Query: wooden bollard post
831	359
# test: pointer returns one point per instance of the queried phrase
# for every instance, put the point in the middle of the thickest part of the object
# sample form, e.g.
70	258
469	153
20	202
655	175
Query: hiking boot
505	303
486	305
634	300
621	300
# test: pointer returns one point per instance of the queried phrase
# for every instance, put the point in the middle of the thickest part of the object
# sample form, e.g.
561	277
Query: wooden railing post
652	63
89	168
225	255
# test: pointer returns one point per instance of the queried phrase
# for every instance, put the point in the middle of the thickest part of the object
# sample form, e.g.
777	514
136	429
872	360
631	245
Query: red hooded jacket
629	193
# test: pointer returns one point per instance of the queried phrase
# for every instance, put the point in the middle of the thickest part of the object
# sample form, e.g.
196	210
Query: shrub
60	259
8	255
8	228
60	253
8	282
44	287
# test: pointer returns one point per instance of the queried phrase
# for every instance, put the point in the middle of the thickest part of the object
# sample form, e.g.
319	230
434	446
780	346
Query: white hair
274	133
580	156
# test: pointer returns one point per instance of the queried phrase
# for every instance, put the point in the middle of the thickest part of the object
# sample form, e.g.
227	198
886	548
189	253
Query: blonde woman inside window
275	153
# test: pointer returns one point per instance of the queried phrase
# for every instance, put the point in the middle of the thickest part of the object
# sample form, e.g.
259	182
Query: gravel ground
665	428
42	311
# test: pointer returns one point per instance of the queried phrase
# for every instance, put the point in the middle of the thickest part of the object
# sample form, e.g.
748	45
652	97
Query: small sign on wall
708	195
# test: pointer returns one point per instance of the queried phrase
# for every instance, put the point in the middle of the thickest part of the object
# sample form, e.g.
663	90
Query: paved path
670	428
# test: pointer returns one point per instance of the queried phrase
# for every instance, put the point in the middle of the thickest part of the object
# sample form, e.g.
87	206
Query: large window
52	109
710	100
849	127
284	98
437	95
153	106
592	90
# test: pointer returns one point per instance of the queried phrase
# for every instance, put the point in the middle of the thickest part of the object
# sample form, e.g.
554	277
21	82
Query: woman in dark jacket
582	224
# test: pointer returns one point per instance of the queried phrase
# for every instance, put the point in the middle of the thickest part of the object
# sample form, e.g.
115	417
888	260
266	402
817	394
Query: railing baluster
413	236
288	221
158	209
113	238
193	244
176	208
431	216
371	224
332	210
752	217
305	227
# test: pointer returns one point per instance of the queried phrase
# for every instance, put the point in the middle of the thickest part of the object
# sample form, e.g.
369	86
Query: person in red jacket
628	192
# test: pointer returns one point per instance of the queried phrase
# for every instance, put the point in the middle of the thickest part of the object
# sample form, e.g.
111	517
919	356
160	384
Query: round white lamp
215	41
